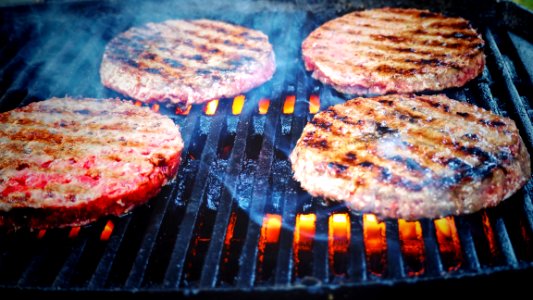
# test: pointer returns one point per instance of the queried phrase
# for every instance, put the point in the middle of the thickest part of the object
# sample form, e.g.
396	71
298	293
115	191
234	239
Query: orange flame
183	112
211	107
489	233
138	103
263	106
374	233
155	107
288	105
314	104
449	244
238	103
338	242
231	230
74	231
339	232
305	231
108	230
271	228
412	245
41	233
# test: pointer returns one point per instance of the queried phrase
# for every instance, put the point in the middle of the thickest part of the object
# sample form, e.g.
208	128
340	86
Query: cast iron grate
234	220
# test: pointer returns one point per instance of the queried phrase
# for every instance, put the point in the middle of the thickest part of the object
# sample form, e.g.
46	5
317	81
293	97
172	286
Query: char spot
386	102
149	56
173	63
197	57
410	163
475	151
366	164
82	111
457	165
337	168
22	166
427	14
203	72
152	70
472	136
385	174
463	114
214	50
350	156
492	123
319	122
383	129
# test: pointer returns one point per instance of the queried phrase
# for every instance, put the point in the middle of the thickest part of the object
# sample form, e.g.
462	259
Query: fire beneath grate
234	220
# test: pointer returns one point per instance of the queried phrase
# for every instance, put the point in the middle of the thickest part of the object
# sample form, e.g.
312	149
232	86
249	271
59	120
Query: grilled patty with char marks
411	156
394	50
68	162
187	62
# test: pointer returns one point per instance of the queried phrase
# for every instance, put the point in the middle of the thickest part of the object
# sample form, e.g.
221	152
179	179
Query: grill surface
216	231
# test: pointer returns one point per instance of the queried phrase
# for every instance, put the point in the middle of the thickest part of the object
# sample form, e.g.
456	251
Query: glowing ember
211	107
338	242
339	232
138	103
238	103
155	107
314	104
263	106
183	112
271	228
231	229
412	245
375	244
305	231
41	233
108	230
288	105
489	233
74	231
449	244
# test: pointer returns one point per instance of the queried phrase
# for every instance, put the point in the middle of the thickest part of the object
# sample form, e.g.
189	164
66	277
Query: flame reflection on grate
338	242
41	233
375	244
108	230
412	245
449	244
489	233
264	103
138	103
211	107
155	107
183	111
268	246
238	104
288	105
314	104
74	231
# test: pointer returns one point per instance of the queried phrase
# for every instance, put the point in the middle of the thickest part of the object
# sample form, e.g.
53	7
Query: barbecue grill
234	222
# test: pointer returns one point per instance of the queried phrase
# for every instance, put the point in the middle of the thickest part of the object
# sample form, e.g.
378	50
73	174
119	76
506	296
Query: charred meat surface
68	162
411	156
187	62
394	50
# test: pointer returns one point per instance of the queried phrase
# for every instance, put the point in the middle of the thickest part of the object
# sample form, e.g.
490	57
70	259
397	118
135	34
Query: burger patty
411	156
68	162
187	62
394	50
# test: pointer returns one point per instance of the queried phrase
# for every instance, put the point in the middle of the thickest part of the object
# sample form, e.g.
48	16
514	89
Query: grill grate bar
175	267
138	270
320	250
512	92
357	263
211	264
66	272
248	259
433	260
467	245
506	246
394	254
103	268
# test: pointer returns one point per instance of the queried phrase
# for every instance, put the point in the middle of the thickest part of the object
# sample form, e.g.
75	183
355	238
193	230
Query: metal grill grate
234	220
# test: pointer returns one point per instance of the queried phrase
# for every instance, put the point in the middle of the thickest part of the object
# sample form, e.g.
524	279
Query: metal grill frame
128	263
